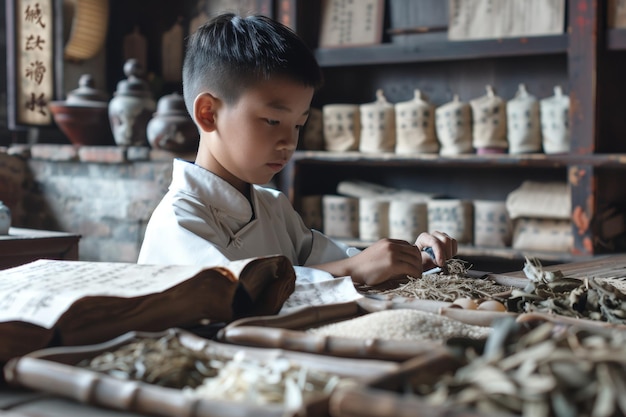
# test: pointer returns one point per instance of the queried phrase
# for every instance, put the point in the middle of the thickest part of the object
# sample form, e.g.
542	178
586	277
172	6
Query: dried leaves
552	370
551	292
164	361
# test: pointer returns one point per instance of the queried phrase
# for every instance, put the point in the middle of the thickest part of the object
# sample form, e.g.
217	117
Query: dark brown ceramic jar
171	128
83	116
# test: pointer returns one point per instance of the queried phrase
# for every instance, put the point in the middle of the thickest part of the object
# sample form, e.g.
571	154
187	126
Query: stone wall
105	194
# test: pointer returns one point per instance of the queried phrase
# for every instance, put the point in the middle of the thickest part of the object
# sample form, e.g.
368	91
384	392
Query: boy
248	83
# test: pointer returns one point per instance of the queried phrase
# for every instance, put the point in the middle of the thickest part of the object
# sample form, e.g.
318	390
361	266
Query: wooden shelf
492	160
574	59
442	50
616	39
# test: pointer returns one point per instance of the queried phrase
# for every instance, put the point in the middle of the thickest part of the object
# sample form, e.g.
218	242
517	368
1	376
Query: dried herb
449	286
551	370
163	361
552	292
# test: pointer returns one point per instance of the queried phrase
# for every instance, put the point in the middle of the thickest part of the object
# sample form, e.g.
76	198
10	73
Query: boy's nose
289	142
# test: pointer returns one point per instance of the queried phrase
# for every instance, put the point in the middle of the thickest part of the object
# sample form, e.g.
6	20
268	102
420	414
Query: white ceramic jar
489	123
340	216
415	126
342	127
378	125
408	218
524	127
555	122
454	127
492	224
373	218
452	216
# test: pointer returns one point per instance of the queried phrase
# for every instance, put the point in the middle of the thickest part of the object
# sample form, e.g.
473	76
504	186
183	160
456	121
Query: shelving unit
440	50
616	39
588	61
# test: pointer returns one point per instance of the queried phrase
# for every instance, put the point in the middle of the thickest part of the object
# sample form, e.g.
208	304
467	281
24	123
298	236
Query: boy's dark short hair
230	53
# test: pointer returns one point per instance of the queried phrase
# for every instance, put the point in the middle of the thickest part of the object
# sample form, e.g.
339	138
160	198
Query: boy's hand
386	259
392	258
444	247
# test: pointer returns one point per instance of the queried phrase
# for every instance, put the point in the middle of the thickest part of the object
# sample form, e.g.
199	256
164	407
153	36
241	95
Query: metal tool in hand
443	268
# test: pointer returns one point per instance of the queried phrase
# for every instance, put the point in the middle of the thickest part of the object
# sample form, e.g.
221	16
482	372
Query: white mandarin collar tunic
203	220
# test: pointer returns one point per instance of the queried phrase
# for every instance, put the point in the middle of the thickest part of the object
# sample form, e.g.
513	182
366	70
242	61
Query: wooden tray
53	370
289	331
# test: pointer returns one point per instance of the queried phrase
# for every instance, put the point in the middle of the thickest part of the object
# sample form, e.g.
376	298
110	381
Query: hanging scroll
351	23
32	51
617	14
492	19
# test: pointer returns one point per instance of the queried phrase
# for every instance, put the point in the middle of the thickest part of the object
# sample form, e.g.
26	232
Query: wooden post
586	34
583	186
586	44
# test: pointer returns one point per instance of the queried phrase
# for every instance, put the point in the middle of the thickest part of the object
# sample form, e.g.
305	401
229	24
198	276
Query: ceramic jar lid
171	105
86	94
133	85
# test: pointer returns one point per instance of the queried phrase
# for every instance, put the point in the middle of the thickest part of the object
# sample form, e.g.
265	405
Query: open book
48	302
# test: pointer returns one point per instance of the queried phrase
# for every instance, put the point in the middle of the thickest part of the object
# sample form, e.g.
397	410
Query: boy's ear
205	111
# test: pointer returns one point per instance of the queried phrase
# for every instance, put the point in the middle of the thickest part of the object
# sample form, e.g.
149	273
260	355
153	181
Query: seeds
402	324
281	381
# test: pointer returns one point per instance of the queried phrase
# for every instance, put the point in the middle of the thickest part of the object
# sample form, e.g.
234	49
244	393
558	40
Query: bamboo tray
289	331
384	397
54	370
389	395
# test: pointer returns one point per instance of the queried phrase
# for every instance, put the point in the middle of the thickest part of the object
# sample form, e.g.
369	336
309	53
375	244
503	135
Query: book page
336	290
41	291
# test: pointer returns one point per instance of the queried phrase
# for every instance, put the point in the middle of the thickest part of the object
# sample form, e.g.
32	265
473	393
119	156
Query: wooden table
21	246
17	402
18	247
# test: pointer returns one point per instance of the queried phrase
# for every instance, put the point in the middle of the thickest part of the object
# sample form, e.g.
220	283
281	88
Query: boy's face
255	137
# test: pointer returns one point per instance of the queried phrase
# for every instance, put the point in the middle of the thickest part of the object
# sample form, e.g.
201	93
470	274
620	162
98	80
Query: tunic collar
212	190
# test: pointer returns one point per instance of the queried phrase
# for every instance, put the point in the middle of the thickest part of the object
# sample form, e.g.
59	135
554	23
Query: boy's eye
272	122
